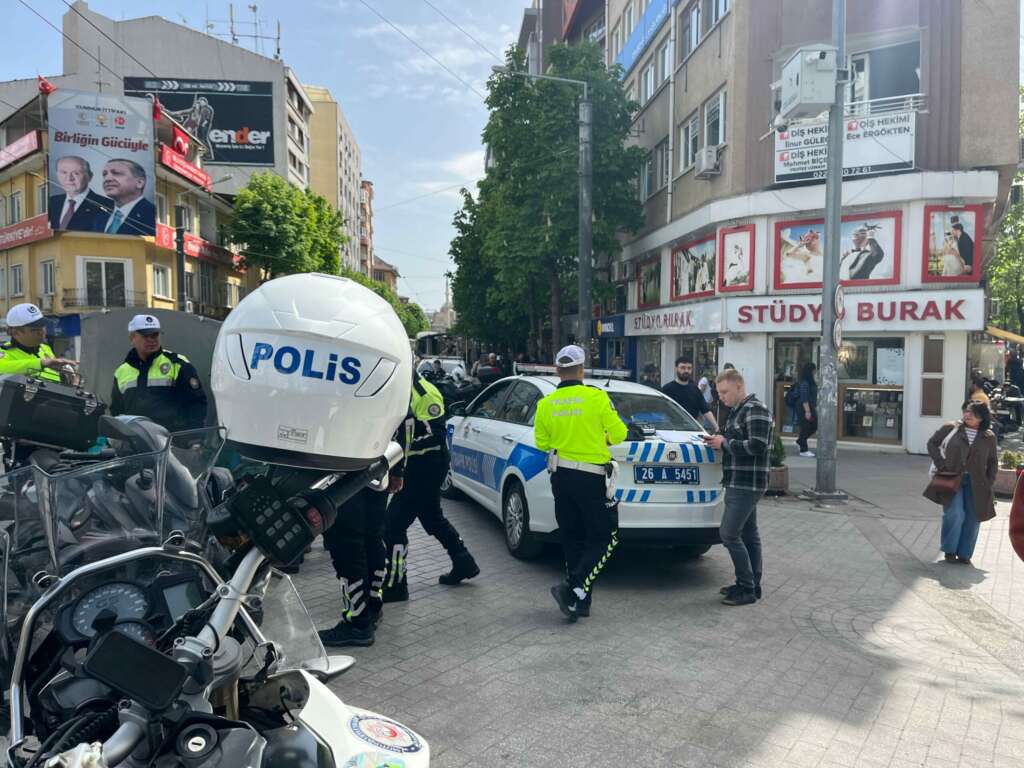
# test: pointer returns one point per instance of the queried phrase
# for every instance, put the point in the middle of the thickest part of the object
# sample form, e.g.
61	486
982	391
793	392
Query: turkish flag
181	142
1017	520
158	111
45	86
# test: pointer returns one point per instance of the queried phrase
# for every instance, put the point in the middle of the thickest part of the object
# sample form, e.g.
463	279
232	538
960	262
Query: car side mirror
457	409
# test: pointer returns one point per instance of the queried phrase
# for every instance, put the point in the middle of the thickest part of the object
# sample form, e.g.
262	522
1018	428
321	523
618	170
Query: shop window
649	362
855	361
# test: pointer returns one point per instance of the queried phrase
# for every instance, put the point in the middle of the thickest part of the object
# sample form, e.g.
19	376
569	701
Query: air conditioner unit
46	303
707	163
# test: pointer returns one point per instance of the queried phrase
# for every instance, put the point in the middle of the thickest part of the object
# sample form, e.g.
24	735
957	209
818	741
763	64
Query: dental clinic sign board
871	144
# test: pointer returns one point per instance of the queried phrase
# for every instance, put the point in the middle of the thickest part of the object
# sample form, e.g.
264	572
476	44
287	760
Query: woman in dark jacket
808	408
972	450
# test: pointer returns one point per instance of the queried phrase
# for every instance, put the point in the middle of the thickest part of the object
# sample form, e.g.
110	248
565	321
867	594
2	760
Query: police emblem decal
165	368
434	410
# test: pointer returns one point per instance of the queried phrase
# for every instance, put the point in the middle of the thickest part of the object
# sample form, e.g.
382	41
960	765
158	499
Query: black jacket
178	407
93	209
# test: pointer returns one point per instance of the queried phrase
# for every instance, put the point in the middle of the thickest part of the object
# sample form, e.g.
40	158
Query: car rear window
652	411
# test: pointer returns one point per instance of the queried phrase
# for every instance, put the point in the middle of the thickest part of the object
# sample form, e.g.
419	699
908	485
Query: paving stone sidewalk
863	652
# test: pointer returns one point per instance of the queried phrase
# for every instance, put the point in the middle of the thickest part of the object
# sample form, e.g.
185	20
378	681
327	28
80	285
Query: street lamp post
586	221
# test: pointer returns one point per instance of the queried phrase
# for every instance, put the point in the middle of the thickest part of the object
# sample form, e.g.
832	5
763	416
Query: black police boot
583	606
396	594
344	634
566	599
463	567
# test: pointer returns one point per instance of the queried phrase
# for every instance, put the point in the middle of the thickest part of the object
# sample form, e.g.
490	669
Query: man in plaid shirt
745	442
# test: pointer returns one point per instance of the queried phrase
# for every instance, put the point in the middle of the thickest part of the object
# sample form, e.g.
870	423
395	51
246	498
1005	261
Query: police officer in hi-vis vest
576	423
157	383
426	464
27	352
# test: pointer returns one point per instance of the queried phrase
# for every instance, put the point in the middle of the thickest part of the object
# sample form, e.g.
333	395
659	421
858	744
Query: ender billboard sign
872	144
234	119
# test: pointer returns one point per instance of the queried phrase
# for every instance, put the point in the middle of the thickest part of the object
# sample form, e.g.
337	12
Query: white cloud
465	165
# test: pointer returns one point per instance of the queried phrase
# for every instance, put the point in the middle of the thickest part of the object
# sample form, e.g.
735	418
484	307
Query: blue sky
418	127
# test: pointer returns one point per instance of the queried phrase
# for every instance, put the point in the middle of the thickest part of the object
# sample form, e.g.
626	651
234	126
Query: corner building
728	265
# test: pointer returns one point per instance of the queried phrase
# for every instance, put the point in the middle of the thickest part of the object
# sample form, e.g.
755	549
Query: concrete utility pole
825	483
586	235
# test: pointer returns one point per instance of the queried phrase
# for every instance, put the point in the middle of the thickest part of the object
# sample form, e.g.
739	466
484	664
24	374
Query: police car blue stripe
711	454
618	494
631	495
702	497
685	452
645	496
632	451
646	451
698	454
689	497
657	453
714	495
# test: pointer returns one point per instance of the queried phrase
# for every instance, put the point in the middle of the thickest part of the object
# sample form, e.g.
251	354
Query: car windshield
447	365
653	412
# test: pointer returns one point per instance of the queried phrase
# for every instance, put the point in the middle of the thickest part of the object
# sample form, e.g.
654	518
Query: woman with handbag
965	458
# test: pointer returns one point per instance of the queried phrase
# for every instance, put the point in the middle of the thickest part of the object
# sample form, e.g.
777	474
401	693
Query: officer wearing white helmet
314	372
157	383
27	352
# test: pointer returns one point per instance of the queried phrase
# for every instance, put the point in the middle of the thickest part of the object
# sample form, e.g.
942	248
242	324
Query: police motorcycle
144	620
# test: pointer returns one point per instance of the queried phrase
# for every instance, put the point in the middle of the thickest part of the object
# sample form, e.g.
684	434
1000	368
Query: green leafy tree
1006	271
412	316
516	243
285	229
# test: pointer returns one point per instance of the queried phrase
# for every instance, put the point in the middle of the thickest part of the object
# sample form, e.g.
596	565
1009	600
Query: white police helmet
312	371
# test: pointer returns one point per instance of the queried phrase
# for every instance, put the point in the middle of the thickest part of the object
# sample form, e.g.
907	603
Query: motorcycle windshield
61	517
288	624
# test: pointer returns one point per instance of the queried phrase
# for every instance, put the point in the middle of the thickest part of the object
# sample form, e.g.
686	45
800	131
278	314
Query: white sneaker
807	454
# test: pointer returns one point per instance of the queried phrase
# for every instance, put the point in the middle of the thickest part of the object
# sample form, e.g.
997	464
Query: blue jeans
960	523
740	535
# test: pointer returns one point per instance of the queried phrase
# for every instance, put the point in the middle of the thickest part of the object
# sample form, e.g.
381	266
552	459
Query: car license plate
646	474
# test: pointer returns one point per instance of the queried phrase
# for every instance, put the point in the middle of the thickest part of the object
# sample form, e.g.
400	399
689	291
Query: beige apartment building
728	265
336	166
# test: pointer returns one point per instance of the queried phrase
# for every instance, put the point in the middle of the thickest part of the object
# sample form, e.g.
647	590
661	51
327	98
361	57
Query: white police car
669	485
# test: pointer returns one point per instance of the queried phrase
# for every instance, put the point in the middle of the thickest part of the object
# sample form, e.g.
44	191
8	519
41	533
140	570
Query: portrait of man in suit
124	181
77	207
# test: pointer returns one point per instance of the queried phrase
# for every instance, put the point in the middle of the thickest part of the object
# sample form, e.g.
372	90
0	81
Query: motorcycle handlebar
126	738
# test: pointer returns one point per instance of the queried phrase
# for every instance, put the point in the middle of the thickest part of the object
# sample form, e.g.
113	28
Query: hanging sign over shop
701	317
902	311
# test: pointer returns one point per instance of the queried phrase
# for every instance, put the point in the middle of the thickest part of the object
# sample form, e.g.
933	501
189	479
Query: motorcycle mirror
336	665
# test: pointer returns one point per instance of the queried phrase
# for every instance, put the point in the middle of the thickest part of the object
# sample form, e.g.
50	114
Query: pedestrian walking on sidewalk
808	408
575	424
746	441
967	447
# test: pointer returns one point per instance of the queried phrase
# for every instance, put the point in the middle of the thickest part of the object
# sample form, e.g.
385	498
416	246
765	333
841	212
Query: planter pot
778	480
1006	481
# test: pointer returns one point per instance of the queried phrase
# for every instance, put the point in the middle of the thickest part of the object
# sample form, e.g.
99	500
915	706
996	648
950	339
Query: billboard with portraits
101	166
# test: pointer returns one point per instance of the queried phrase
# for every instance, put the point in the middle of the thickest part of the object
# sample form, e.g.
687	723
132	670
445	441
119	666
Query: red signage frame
25	231
171	159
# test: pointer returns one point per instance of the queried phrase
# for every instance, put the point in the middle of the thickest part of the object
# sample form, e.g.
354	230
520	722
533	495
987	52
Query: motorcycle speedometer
127	601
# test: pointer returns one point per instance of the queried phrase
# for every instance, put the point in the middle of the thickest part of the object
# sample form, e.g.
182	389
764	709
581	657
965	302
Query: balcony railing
83	298
913	102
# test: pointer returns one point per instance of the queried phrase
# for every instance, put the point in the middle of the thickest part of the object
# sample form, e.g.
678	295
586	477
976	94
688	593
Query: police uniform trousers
588	524
356	545
420	498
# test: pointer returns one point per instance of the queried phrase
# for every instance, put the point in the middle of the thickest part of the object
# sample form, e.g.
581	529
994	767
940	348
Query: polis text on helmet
289	360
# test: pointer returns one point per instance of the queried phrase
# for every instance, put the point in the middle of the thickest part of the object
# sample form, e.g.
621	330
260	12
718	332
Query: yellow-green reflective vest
16	360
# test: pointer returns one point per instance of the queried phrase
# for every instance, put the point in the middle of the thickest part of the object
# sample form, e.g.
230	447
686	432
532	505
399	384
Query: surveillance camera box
808	82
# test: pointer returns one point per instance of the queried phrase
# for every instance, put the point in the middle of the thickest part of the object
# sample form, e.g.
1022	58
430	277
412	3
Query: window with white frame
14	208
42	199
162	281
689	141
693	39
646	181
714	10
106	283
714	120
631	92
662	165
230	294
161	208
48	278
17	280
664	62
3	211
647	83
628	21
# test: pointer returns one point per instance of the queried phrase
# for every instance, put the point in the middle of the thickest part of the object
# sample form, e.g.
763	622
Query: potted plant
778	472
1010	466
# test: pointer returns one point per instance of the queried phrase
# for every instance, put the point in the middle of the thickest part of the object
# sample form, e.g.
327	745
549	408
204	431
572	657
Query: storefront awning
999	333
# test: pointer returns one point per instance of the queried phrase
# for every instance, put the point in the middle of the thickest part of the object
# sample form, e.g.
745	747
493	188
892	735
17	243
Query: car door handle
508	438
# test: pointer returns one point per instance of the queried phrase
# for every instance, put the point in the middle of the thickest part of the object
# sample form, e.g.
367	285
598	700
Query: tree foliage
516	242
285	229
1006	271
412	316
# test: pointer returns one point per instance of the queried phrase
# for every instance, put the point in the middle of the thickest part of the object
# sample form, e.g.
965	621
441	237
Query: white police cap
143	324
25	316
570	357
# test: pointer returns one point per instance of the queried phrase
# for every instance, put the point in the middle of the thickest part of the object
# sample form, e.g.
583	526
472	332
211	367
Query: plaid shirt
748	440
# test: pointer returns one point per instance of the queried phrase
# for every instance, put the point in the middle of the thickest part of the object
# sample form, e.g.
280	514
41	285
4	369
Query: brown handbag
943	487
